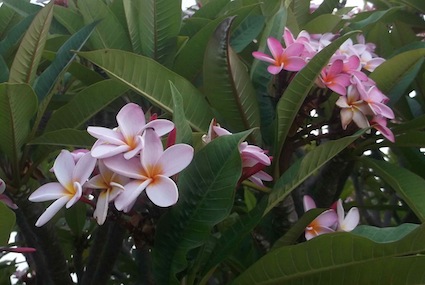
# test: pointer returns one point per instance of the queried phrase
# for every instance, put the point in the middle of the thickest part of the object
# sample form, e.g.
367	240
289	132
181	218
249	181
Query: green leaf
327	7
159	24
408	185
211	9
295	94
8	18
22	7
76	218
373	18
398	70
342	258
7	222
409	139
28	56
298	229
71	20
46	81
207	189
183	130
14	35
382	235
152	82
18	104
247	31
4	70
109	33
227	84
86	104
323	24
65	137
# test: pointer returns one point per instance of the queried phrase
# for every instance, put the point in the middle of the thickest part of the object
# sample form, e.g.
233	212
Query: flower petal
78	191
308	203
51	211
64	167
175	159
153	148
163	191
2	186
327	219
130	194
47	192
131	168
106	135
264	57
84	168
102	150
294	64
101	210
275	47
160	126
309	234
131	120
273	69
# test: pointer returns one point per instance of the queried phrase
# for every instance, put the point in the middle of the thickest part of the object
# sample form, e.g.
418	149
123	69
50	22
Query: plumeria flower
151	171
111	185
353	109
288	59
380	124
69	188
349	222
5	199
376	101
322	224
334	78
127	137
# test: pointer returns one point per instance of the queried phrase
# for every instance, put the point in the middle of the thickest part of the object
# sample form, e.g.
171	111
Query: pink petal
131	120
259	177
327	219
136	149
96	182
160	126
318	231
264	57
153	148
336	68
294	64
372	64
360	119
288	38
221	131
255	153
47	192
175	159
275	47
273	69
106	135
78	191
294	50
132	190
308	203
346	117
101	150
64	167
101	210
84	168
131	168
351	220
8	202
382	110
163	191
51	211
338	88
340	211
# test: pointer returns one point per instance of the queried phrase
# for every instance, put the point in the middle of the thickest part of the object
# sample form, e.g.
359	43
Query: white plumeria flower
111	185
68	190
151	171
349	222
322	224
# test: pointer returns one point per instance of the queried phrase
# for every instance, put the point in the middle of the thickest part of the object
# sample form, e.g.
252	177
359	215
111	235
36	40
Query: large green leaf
247	31
27	58
8	18
327	7
151	80
389	234
109	33
158	24
207	189
324	24
46	81
22	7
18	104
183	130
408	185
295	94
65	137
86	104
14	35
71	20
211	9
227	84
374	17
7	222
4	70
342	258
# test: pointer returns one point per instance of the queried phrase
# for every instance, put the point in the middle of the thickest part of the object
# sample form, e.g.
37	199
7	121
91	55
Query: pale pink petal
163	191
351	220
2	186
136	149
84	168
342	102
264	57
288	38
47	192
160	126
175	159
273	69
340	211
327	219
132	190
8	202
275	47
360	119
294	64
51	211
353	63
101	210
308	203
319	230
96	182
255	153
104	171
372	64
259	177
106	135
153	148
382	110
102	150
78	191
221	131
131	120
338	88
346	117
131	168
63	167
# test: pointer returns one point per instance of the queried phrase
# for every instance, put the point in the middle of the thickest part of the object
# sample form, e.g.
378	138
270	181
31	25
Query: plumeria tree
236	142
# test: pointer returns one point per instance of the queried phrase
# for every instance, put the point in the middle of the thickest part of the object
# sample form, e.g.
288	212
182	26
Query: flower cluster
330	221
360	99
127	160
254	159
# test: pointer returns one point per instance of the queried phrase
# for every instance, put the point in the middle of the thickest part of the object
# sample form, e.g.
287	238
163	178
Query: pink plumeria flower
376	101
287	59
353	109
5	199
322	224
349	222
151	171
380	124
334	78
68	190
127	137
111	185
